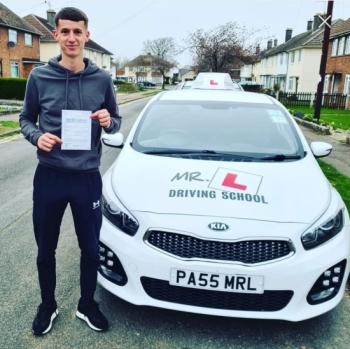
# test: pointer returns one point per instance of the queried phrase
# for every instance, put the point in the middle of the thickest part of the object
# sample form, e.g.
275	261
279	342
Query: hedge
127	88
12	88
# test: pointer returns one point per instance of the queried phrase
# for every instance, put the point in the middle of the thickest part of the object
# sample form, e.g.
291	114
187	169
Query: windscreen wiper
195	152
280	157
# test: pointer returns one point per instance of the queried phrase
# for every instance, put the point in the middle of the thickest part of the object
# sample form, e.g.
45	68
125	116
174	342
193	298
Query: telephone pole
327	30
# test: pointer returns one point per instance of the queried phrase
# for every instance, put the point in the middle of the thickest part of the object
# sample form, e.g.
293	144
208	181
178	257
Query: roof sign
213	81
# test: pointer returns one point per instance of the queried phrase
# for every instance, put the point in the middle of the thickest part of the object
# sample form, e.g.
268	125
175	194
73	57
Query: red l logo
230	181
212	82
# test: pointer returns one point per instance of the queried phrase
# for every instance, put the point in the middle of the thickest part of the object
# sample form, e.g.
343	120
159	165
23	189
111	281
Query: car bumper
148	273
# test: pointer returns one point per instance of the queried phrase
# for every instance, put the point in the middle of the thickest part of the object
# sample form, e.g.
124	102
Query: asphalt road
132	327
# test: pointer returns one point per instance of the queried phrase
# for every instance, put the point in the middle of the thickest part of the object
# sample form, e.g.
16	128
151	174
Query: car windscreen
239	128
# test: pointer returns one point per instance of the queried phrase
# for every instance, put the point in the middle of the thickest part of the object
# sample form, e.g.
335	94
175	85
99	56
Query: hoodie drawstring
80	93
67	82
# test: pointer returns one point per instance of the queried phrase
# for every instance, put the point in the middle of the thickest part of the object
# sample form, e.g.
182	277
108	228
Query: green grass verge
324	111
336	118
6	126
339	181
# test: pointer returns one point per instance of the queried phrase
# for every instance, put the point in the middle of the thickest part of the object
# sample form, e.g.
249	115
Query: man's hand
103	117
47	141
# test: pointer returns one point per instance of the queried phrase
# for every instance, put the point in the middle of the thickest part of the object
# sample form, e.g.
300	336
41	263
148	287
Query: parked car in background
146	83
248	83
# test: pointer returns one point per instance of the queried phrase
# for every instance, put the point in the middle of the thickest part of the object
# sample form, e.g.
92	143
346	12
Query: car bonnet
295	191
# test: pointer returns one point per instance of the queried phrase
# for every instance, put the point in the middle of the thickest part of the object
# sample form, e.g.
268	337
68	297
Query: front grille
247	252
268	301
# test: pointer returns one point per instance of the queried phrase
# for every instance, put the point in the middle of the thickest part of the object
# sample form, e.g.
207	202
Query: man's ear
87	36
55	34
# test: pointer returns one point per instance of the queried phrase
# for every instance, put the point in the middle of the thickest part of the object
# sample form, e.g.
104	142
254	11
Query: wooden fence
305	99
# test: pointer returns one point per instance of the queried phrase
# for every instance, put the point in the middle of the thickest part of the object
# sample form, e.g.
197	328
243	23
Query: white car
237	86
184	85
217	205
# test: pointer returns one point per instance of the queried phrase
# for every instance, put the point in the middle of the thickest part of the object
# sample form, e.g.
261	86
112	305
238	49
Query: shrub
13	88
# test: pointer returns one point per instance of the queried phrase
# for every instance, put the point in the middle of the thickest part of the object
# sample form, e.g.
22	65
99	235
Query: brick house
337	78
19	45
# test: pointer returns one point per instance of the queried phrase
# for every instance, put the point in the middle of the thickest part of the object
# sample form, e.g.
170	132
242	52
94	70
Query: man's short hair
71	14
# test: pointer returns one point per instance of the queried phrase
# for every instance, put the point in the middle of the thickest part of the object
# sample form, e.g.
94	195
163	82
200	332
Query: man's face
71	37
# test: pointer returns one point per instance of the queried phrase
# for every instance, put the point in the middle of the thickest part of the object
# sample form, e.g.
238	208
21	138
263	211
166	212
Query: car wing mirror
113	140
321	149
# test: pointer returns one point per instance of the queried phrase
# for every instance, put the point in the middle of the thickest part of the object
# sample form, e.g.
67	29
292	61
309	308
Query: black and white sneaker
42	323
91	313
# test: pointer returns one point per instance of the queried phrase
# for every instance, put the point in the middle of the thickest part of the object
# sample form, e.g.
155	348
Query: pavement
339	158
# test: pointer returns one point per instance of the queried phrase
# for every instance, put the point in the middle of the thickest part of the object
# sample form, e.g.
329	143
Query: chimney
288	34
309	25
51	17
257	49
275	43
269	44
318	20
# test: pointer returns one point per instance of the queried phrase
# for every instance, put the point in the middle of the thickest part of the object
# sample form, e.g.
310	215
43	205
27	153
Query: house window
334	47
14	69
28	39
281	58
341	46
290	85
299	57
13	35
131	68
347	45
292	57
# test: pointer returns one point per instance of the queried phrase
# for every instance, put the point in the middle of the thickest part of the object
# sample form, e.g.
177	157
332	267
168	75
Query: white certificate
76	130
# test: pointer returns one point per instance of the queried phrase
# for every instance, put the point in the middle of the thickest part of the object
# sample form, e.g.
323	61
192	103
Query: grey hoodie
52	88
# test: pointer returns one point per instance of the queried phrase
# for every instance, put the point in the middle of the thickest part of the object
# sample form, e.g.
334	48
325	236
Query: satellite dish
11	44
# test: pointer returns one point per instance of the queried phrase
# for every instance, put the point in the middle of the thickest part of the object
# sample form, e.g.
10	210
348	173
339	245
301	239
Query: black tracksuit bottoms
53	190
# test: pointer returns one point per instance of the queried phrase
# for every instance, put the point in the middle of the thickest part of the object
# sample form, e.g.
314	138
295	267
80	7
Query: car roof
193	94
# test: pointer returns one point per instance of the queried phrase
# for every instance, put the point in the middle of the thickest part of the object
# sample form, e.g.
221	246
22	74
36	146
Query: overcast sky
121	26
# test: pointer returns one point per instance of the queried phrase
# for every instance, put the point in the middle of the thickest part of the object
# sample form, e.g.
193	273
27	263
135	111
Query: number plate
217	282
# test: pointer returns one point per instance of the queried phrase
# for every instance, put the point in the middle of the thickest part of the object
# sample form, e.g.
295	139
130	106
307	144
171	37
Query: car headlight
118	217
324	232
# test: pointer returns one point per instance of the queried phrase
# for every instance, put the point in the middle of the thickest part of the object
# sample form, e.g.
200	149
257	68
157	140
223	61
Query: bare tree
165	48
223	48
162	66
120	62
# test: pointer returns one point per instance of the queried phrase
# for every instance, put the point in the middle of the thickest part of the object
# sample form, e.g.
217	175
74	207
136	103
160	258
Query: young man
68	172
